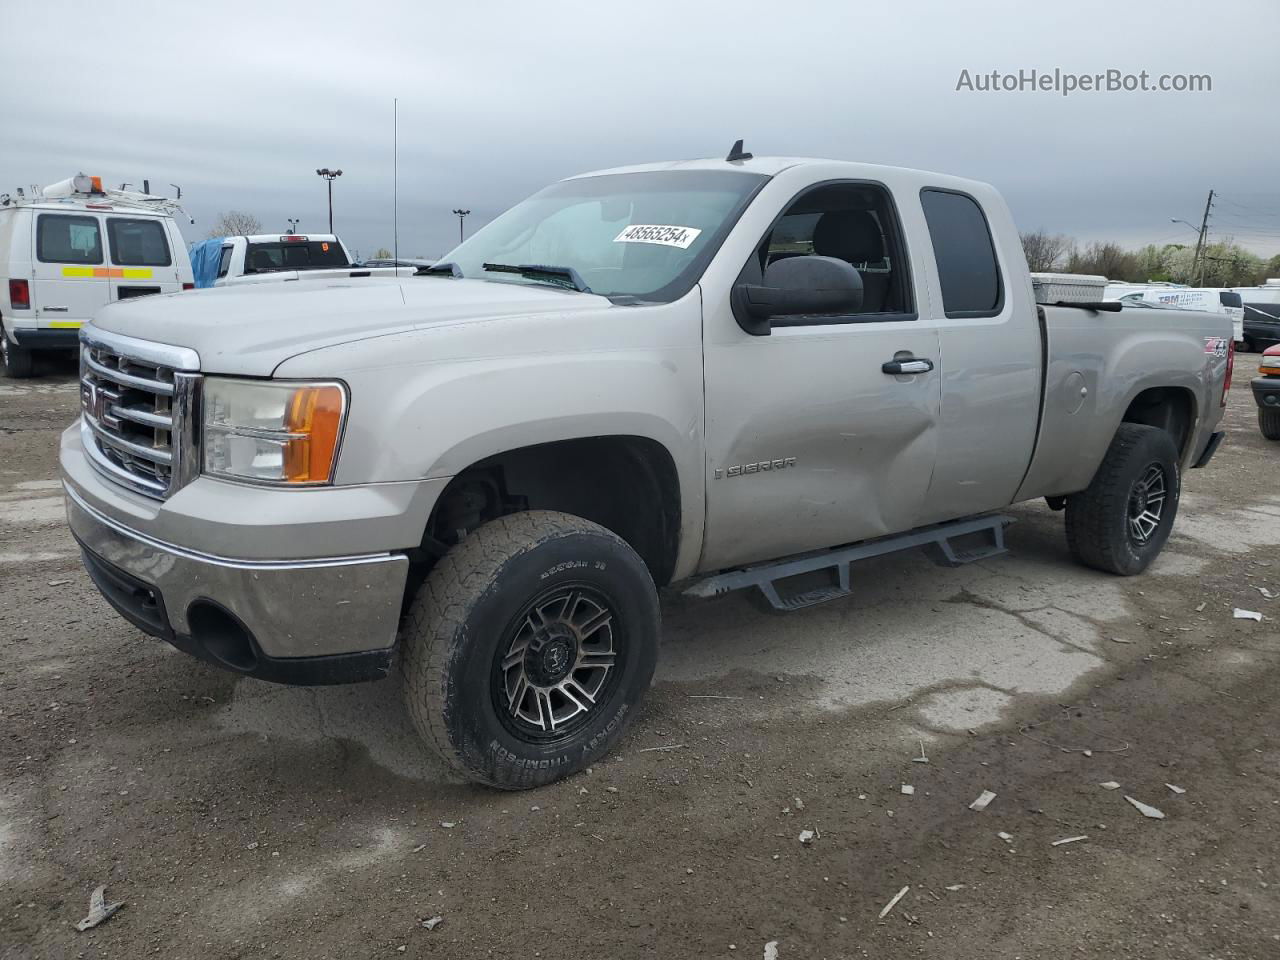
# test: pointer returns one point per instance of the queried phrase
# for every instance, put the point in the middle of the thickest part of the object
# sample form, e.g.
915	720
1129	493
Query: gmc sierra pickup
715	373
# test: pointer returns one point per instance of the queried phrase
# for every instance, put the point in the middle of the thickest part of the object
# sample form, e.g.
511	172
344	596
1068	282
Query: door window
138	243
853	222
964	252
61	238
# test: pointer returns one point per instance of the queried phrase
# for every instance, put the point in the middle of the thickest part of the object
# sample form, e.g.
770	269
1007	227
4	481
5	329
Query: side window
965	254
138	243
853	222
224	261
61	238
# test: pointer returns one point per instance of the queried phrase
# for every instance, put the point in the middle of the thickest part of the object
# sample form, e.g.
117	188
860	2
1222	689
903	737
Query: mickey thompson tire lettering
466	610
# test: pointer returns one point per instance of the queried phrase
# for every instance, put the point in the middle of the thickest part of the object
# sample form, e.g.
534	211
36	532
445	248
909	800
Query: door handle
908	365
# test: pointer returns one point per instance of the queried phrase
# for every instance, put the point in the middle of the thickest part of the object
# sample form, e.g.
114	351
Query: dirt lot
239	819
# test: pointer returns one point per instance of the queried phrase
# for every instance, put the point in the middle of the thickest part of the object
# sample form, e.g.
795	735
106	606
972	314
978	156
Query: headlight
272	432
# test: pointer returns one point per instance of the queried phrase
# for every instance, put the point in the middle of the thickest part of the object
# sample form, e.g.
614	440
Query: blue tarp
204	261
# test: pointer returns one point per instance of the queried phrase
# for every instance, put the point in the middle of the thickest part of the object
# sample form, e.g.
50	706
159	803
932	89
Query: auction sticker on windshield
666	236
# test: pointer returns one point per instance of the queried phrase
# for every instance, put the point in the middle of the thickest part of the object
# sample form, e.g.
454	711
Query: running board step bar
938	541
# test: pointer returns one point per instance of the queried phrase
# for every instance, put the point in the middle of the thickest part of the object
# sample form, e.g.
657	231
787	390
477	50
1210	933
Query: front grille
138	416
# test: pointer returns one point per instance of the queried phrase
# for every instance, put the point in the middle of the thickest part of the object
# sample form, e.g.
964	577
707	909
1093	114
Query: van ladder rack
937	540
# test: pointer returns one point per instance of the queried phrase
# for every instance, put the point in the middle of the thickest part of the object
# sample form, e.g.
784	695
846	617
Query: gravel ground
239	819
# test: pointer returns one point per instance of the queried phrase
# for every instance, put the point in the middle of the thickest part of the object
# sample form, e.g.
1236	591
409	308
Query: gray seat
854	236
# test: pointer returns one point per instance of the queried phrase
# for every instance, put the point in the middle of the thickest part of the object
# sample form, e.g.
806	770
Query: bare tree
382	253
233	223
1046	252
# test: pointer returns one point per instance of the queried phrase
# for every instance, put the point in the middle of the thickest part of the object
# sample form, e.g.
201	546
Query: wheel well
1169	408
626	484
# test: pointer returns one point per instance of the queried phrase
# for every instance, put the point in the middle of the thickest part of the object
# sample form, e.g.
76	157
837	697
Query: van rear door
141	260
69	268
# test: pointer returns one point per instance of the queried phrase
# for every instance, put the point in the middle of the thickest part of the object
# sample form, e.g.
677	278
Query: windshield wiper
560	276
449	269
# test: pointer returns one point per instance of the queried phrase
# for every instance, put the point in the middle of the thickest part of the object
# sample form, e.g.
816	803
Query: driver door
810	442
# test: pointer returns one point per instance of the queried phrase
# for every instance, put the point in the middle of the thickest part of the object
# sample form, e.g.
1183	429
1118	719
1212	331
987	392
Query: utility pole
329	176
460	214
1202	244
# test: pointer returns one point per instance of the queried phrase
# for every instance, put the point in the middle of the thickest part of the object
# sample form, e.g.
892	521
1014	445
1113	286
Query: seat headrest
850	235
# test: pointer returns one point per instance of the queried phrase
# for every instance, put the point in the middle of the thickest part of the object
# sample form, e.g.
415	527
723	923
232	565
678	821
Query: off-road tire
1269	423
467	609
15	362
1099	517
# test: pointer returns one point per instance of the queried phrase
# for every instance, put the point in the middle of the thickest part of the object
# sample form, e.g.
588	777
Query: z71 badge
760	466
1215	346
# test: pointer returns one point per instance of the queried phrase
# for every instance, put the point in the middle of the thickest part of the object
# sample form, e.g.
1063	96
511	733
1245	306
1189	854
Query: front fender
429	403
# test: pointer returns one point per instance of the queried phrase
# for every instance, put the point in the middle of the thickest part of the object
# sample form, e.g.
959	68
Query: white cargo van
70	249
1208	299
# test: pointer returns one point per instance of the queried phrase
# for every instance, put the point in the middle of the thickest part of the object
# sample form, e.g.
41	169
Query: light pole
460	214
293	224
329	176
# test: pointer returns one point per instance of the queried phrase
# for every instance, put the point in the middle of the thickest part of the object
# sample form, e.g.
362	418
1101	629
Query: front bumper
306	621
1266	391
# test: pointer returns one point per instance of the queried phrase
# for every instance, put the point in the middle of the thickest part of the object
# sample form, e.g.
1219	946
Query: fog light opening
221	635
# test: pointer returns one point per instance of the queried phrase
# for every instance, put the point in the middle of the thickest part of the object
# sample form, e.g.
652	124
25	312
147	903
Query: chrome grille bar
138	410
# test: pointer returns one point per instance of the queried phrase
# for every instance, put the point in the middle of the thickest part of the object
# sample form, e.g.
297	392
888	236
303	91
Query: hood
251	329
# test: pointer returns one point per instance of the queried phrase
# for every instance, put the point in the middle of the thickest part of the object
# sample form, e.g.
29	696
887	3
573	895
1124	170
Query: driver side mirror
797	286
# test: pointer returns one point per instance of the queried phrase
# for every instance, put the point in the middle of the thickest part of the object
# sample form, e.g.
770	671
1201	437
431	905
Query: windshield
630	236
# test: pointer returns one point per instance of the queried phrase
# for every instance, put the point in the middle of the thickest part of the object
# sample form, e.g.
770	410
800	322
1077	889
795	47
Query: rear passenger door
141	261
990	343
69	265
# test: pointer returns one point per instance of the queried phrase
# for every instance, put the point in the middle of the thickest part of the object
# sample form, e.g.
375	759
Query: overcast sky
240	104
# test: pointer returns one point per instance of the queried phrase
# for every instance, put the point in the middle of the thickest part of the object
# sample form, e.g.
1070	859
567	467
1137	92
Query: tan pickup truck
749	372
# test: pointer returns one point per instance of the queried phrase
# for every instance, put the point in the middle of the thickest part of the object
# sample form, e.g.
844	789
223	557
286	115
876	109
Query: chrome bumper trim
294	608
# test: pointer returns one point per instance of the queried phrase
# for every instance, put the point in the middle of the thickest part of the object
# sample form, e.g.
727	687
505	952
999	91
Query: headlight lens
272	431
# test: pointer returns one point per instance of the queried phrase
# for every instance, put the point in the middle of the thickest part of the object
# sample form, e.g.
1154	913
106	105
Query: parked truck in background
276	257
705	373
70	248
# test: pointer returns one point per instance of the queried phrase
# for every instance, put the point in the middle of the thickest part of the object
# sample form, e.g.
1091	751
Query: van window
62	238
1228	299
224	261
138	243
964	252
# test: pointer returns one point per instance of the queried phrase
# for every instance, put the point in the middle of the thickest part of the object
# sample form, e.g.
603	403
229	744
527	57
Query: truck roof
771	166
275	237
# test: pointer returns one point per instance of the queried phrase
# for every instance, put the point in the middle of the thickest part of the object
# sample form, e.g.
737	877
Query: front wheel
1269	423
529	647
1121	521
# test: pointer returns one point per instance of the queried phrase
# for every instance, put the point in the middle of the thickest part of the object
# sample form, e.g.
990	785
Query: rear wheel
1269	422
15	362
1122	520
529	647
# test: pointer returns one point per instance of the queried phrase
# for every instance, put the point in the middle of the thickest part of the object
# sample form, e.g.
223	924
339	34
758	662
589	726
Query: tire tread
438	613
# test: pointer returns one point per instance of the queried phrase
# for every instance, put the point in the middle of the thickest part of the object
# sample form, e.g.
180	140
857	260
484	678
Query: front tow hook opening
222	636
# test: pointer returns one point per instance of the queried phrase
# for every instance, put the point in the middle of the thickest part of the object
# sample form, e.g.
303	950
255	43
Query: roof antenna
737	153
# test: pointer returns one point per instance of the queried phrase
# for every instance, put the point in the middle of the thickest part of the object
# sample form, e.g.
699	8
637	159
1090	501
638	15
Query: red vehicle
1266	390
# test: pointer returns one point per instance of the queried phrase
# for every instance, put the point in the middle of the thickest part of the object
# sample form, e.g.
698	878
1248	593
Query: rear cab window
964	252
65	238
138	243
1229	299
294	254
